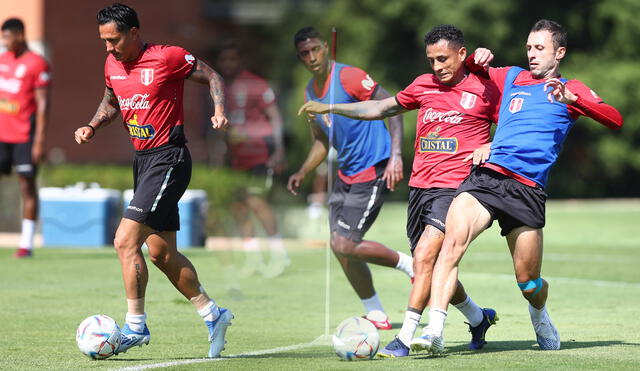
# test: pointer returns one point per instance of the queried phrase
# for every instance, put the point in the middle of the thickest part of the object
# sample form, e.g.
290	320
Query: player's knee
423	259
159	259
531	288
343	246
123	243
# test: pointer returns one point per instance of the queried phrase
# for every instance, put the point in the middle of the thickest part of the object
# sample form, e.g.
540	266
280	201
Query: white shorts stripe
372	201
164	186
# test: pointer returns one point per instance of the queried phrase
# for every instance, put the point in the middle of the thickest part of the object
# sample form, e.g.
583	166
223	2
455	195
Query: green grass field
592	262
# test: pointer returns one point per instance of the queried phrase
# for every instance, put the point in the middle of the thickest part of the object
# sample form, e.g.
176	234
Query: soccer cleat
489	317
23	253
379	319
394	349
132	338
546	334
217	330
429	342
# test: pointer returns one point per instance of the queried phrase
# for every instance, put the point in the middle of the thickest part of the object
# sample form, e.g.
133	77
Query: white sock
405	264
28	231
436	321
275	244
372	303
251	244
211	312
470	310
409	327
136	321
537	314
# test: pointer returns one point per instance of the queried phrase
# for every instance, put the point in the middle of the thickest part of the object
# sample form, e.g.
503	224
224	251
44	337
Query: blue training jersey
360	144
531	130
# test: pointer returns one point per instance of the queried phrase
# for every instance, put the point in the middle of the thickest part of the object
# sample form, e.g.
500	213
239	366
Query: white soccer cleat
217	331
429	342
546	334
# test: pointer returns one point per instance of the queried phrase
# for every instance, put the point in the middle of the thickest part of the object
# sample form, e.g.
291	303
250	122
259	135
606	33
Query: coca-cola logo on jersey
452	117
138	101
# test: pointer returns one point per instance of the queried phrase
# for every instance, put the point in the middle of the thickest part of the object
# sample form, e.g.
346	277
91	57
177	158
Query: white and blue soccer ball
98	336
356	339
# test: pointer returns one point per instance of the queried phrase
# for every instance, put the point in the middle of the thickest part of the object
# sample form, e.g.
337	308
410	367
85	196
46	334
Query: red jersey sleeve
407	98
357	83
107	80
179	62
41	74
497	75
591	105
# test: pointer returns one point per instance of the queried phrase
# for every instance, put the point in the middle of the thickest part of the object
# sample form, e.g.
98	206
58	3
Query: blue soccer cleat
217	330
489	317
130	338
546	335
394	349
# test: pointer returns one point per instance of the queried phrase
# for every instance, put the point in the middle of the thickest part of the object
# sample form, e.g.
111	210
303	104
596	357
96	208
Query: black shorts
161	175
258	181
512	203
354	207
17	155
427	206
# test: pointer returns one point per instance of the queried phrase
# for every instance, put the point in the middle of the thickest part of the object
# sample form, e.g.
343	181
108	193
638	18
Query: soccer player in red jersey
369	161
144	83
537	110
24	86
256	150
455	114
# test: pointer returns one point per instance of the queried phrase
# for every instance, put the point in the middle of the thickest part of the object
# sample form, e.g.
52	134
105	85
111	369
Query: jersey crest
467	100
146	76
515	105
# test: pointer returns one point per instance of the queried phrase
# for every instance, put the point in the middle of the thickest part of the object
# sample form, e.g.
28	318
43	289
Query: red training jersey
250	134
19	77
149	91
452	122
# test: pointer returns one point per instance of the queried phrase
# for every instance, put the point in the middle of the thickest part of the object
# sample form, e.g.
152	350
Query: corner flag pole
327	298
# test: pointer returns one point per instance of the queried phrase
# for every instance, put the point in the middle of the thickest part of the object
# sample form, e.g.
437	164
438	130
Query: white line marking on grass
510	277
202	360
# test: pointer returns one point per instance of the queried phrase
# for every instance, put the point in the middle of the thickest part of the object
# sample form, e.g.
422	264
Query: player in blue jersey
368	157
538	109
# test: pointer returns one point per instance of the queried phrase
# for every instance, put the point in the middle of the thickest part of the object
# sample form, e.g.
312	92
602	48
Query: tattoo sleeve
107	110
204	74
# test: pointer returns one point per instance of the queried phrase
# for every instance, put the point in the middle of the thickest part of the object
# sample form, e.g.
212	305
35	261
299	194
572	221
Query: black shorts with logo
354	207
17	155
512	203
161	175
427	206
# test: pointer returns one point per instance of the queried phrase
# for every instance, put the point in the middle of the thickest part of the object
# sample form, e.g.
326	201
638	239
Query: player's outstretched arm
318	152
107	111
367	110
393	172
206	75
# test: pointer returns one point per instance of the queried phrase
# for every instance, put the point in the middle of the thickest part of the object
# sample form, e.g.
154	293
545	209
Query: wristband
93	130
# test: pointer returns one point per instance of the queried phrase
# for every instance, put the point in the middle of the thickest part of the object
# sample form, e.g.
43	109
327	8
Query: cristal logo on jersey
433	142
9	106
139	131
468	100
368	83
146	76
515	105
452	117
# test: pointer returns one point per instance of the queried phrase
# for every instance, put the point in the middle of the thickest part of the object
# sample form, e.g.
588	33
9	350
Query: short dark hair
124	17
306	33
447	32
557	31
13	25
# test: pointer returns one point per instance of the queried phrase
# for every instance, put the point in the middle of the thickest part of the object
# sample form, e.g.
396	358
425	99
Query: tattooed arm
107	111
206	75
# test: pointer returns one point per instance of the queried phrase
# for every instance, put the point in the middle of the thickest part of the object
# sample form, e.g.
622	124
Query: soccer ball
356	339
98	336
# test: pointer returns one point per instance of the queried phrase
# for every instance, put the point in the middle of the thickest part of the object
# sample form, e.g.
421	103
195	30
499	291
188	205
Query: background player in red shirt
537	110
145	84
455	113
369	160
256	149
24	86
